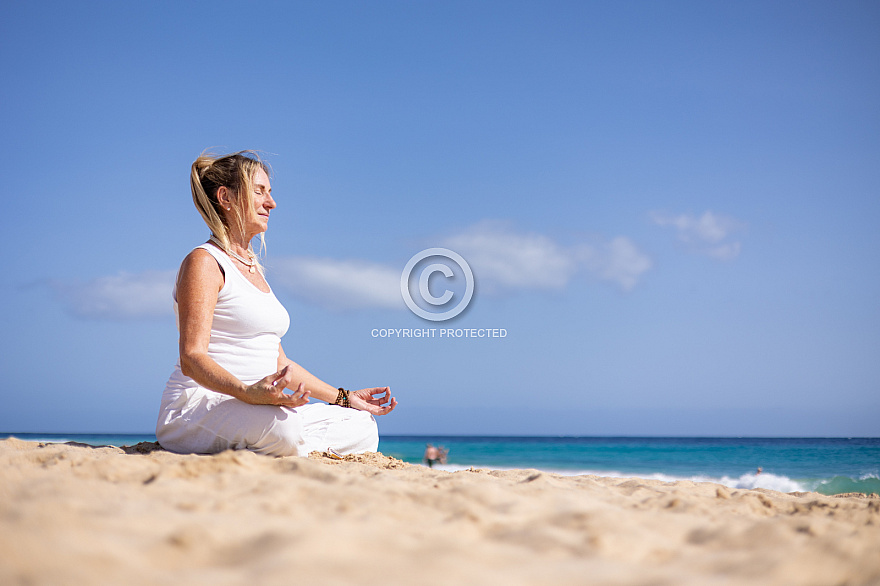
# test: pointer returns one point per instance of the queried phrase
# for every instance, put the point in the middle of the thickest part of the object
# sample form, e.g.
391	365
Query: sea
825	465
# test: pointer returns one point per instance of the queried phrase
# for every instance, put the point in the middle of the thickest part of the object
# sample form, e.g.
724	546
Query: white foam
765	480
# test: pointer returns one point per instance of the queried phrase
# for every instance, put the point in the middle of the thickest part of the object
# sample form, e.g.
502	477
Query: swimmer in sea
432	456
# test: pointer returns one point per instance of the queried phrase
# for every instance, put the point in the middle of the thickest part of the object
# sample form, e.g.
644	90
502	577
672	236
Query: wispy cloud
709	234
504	258
618	261
339	284
119	297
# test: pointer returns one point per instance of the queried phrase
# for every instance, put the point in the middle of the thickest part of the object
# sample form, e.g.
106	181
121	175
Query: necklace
251	263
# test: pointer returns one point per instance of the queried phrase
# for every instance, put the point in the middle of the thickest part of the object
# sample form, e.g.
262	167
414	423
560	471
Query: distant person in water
227	390
435	455
432	455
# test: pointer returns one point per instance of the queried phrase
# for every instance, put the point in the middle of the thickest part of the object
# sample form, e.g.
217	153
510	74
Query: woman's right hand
270	391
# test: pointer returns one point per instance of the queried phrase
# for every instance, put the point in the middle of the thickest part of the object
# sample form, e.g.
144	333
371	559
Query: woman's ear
224	198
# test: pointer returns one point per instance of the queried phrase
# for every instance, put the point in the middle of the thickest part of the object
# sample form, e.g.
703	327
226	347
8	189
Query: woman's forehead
261	179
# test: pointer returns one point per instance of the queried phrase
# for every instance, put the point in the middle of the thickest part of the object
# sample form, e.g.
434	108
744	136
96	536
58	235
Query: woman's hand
270	391
377	400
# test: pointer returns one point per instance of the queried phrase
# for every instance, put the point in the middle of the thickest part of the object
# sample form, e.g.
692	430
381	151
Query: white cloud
725	251
339	284
619	261
502	258
706	234
505	258
123	296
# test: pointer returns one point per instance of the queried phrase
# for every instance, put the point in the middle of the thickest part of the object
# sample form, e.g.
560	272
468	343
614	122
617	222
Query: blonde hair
235	172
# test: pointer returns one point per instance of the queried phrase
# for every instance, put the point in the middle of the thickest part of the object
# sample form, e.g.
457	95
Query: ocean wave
843	484
766	480
746	481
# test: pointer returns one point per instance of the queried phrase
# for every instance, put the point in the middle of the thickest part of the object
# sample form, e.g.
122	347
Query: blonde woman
228	388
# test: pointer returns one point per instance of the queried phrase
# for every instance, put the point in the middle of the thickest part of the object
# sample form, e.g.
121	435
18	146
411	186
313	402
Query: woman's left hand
377	400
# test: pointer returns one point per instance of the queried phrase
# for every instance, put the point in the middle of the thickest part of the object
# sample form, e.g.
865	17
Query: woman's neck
238	248
234	247
239	245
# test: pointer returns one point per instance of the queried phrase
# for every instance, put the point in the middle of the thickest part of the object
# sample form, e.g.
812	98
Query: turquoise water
826	465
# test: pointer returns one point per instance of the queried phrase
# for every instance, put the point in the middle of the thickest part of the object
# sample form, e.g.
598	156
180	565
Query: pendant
253	269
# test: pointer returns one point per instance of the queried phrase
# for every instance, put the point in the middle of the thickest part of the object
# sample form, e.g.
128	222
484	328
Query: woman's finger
283	378
272	379
300	389
299	394
296	400
390	407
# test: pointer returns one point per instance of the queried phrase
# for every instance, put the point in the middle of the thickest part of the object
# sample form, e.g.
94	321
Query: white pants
206	422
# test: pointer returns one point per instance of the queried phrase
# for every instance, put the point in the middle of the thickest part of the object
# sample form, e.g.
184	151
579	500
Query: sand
75	514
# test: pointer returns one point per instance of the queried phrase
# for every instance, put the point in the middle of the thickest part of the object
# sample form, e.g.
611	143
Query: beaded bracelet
342	398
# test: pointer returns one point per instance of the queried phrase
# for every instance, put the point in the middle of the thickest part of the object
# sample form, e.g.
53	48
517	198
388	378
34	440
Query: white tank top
247	328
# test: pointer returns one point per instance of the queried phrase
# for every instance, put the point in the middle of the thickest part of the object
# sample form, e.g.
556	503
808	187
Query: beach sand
75	514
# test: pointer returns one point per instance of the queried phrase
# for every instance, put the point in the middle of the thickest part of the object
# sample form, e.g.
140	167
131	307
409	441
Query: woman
227	390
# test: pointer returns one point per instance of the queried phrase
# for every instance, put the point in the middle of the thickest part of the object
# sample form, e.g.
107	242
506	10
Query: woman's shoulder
200	252
200	263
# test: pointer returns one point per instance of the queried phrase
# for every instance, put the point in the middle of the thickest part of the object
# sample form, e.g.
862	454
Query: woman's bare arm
316	387
376	400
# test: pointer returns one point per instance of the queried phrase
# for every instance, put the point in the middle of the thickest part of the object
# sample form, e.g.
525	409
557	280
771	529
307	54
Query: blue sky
672	208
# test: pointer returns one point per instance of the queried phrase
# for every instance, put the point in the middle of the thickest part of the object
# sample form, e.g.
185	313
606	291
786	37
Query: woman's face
263	203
